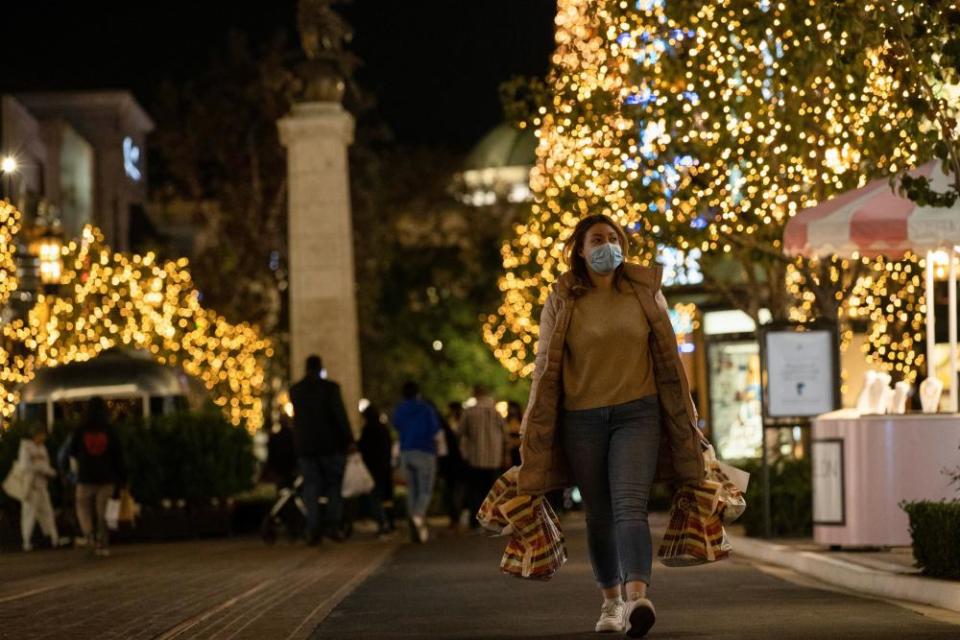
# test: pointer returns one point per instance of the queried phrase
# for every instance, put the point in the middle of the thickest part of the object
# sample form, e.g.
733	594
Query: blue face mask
606	258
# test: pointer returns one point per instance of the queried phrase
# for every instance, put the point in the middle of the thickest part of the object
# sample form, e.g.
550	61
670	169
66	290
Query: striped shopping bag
695	534
536	549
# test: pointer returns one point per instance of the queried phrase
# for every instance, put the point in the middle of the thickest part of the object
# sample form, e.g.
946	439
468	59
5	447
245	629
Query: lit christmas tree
704	126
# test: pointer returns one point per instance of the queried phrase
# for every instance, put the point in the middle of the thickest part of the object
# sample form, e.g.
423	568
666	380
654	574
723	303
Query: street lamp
48	249
46	246
8	167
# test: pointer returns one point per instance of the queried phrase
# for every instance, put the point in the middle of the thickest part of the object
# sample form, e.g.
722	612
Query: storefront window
735	396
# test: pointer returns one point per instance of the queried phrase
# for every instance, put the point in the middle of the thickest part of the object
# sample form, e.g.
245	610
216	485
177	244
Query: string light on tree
108	299
706	126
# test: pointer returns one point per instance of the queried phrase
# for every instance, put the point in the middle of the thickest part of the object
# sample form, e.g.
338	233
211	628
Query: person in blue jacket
417	423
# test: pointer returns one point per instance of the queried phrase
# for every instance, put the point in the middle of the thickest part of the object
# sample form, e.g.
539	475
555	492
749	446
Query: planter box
211	521
160	523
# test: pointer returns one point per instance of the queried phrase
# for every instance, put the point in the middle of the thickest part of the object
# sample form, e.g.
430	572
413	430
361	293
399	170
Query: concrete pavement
451	588
224	588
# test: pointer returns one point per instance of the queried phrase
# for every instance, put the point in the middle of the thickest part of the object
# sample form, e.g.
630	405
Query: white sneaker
611	617
420	526
638	617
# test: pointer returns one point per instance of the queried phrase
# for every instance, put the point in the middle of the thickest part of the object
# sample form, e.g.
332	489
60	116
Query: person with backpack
100	473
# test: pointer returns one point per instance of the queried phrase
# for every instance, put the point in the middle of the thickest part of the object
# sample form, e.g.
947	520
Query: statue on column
324	35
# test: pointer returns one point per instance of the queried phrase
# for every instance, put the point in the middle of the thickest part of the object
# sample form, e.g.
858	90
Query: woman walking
609	403
100	473
34	458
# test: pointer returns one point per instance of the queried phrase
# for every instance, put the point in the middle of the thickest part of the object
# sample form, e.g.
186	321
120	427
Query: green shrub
935	529
791	498
187	456
191	456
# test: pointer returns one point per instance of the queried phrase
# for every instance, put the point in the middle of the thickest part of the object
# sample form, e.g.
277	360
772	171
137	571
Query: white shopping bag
17	483
357	480
112	515
739	477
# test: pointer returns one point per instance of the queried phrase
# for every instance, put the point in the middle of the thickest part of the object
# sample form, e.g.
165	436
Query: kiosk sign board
828	484
800	373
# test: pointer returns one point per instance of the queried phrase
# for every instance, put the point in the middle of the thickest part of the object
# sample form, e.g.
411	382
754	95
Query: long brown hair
578	266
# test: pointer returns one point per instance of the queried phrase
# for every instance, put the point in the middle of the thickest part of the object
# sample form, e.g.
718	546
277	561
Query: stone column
323	309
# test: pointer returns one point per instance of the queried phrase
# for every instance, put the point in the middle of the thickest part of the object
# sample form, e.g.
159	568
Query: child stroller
288	514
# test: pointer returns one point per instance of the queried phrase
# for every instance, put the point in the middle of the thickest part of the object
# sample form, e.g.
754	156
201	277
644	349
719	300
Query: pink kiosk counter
864	466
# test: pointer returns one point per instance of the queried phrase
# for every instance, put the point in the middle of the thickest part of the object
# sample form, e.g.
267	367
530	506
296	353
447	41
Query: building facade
79	153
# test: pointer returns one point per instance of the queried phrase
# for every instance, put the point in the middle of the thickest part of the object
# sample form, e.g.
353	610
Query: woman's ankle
634	591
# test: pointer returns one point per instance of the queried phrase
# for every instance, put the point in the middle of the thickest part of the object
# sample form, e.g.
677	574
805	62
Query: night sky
433	65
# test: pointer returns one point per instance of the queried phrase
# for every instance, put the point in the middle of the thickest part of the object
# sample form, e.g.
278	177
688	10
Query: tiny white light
364	403
437	345
9	165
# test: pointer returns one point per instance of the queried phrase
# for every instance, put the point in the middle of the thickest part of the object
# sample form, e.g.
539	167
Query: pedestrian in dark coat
101	472
451	465
376	448
323	438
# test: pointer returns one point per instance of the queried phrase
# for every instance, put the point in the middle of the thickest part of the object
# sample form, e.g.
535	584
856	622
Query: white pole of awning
931	337
952	319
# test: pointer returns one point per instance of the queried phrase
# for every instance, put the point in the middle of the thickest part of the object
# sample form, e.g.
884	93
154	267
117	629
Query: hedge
189	456
791	498
935	529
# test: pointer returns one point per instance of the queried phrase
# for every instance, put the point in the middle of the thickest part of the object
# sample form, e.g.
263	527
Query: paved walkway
451	589
227	588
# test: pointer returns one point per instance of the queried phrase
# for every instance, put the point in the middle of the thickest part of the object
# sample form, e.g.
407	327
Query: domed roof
114	373
498	168
504	146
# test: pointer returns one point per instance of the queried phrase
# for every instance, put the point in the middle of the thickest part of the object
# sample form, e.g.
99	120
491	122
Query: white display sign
828	505
800	380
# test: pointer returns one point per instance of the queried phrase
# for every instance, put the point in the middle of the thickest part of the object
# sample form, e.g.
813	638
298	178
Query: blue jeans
613	456
323	475
421	469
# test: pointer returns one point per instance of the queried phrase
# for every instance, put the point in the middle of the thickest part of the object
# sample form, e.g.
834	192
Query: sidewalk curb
929	591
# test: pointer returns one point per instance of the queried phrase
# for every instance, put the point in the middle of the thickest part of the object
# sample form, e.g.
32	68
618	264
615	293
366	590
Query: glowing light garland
706	126
109	299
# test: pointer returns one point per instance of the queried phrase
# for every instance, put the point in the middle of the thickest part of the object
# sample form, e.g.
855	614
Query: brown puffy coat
544	462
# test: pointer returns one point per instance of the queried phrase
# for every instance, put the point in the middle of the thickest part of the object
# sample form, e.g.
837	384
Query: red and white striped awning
874	220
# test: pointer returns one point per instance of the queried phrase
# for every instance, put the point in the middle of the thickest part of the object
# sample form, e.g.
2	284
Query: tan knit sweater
606	359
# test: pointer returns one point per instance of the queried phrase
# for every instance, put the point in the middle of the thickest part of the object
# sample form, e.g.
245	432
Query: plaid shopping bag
695	534
536	549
